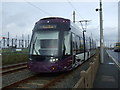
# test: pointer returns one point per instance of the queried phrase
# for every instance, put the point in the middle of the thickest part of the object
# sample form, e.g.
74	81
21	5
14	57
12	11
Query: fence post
3	42
92	72
0	44
12	42
83	74
19	43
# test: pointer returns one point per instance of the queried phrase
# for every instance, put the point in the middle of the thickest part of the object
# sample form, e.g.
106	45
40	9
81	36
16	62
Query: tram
117	47
57	45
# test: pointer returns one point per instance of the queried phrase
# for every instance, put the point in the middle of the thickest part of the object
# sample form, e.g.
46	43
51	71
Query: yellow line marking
117	46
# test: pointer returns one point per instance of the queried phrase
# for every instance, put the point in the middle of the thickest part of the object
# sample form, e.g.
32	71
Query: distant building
119	21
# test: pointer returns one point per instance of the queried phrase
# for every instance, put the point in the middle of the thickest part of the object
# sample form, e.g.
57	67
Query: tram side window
66	45
77	45
81	45
74	43
87	45
94	45
90	43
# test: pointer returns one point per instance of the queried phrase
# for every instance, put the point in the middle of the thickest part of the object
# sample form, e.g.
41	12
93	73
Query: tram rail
13	68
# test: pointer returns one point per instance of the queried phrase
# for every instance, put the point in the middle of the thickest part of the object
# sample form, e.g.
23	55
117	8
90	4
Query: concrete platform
108	75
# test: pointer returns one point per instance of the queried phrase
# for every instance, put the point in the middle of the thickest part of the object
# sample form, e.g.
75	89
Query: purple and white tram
57	45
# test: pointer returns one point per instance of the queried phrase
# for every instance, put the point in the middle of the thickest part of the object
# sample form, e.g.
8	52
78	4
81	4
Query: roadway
115	56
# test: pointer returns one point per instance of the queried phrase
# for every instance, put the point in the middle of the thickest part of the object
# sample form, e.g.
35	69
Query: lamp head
96	9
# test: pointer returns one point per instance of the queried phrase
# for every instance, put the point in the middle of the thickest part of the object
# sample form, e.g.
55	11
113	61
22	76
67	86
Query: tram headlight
30	59
53	59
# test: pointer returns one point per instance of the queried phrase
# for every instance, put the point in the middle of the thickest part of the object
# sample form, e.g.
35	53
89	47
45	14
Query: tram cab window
44	43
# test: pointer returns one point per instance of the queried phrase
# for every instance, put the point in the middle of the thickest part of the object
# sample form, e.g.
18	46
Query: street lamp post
101	33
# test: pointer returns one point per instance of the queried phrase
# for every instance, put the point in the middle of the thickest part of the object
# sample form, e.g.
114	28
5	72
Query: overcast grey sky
19	17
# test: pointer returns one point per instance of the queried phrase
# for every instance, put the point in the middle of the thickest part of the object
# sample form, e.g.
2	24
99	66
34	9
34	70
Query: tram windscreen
44	43
48	43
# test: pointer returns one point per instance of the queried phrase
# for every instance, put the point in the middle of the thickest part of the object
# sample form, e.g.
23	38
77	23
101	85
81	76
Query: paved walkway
108	75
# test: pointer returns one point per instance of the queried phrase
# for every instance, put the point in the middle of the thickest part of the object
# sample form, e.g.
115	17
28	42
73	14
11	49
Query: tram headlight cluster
53	59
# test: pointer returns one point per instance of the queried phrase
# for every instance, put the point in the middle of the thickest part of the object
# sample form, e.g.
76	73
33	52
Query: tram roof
60	19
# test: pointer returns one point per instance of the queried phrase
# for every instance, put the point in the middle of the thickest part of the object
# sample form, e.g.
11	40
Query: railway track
13	68
42	80
34	81
37	81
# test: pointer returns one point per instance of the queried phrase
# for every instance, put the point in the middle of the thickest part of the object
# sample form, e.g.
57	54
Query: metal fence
14	43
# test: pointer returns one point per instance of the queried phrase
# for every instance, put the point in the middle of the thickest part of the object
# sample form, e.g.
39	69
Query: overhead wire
74	8
38	8
75	11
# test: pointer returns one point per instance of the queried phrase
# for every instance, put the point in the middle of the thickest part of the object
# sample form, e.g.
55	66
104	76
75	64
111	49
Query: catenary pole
73	16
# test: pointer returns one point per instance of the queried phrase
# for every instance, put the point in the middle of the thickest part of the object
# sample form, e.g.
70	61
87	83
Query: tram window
49	43
44	43
77	45
66	44
87	44
81	45
74	43
90	43
117	44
